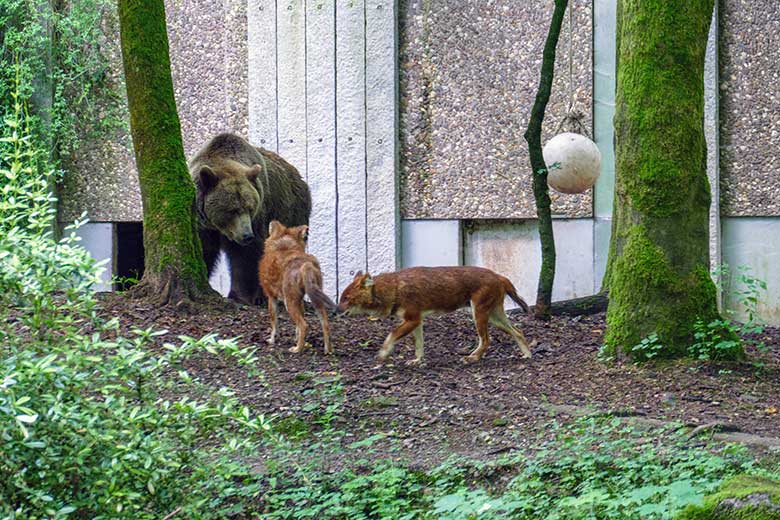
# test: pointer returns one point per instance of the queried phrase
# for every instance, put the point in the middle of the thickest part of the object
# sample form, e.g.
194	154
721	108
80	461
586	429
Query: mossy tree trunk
174	270
658	275
533	135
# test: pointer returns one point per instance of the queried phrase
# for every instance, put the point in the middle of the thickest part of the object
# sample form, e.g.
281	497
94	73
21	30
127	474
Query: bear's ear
275	228
207	179
303	233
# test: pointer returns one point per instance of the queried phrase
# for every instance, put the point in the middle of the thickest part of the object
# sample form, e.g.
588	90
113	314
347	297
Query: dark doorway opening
129	254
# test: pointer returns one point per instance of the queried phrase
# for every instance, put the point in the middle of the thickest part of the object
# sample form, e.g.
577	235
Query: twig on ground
172	513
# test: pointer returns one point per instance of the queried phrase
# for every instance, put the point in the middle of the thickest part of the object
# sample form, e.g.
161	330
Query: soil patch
445	407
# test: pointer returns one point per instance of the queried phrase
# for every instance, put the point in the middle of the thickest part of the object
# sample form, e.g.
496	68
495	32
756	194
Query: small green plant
123	283
328	398
717	340
721	340
648	348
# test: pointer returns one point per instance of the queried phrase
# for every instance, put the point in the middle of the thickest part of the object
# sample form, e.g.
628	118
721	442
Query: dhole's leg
323	313
272	313
409	324
418	345
499	319
480	314
294	304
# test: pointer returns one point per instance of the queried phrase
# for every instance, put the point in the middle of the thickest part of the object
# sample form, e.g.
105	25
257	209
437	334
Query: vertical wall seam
365	130
336	135
306	87
397	131
276	67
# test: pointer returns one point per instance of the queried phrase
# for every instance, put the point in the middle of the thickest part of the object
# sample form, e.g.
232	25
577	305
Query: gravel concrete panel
750	107
208	63
469	74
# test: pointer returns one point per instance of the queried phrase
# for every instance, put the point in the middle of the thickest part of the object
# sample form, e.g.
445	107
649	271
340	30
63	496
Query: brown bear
240	190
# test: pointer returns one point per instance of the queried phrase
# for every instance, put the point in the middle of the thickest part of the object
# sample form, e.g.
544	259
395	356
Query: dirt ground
444	406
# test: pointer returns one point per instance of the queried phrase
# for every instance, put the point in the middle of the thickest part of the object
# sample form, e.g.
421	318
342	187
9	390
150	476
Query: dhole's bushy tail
512	293
311	284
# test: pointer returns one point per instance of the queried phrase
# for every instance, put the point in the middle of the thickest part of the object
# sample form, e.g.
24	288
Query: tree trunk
658	275
174	270
533	135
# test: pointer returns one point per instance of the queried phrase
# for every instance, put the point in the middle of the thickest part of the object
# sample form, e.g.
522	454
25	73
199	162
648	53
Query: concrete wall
431	243
323	81
469	71
752	242
98	240
318	81
513	249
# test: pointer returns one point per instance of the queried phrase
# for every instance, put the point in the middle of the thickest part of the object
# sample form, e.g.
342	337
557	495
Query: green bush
595	468
60	55
94	424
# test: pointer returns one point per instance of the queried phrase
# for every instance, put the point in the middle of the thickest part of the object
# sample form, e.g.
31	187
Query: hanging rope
573	120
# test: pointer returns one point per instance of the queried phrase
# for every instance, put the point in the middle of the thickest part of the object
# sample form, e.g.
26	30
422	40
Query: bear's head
229	199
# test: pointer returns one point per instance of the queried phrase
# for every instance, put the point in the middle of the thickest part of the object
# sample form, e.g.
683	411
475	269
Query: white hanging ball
579	162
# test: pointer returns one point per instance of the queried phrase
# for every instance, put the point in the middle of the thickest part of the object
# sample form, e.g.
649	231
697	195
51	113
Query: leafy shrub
721	339
594	468
68	45
94	424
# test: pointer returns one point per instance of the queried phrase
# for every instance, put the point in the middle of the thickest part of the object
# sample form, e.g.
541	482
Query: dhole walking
287	273
415	293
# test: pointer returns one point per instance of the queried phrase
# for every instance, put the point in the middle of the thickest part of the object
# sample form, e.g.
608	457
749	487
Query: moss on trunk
174	270
658	265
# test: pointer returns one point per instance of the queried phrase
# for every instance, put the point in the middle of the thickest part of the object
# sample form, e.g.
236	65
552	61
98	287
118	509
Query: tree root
185	298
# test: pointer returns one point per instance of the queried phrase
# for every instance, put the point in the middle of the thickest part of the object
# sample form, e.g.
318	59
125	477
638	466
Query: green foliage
721	339
93	424
63	54
594	468
648	348
717	340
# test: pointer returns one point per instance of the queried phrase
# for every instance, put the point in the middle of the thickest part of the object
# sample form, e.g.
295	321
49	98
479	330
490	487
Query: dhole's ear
207	179
368	281
275	228
303	233
358	275
253	173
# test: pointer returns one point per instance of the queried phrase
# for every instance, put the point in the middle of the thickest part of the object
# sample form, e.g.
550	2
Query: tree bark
658	268
174	270
533	135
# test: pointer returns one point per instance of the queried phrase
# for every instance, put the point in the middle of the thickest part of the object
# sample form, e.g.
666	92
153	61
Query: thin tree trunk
533	135
174	270
658	276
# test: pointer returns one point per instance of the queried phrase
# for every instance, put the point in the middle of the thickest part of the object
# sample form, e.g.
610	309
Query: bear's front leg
244	280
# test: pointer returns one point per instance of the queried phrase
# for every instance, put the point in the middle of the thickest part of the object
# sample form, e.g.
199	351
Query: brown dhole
287	272
414	293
